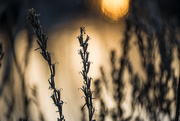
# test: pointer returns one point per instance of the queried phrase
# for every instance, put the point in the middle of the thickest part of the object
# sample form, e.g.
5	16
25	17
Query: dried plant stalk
86	88
42	42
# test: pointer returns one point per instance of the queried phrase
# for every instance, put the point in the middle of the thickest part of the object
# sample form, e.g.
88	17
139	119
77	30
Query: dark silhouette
86	88
42	42
155	23
159	33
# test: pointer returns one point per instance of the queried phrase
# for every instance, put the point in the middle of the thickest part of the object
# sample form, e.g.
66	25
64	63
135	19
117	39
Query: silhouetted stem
86	88
42	42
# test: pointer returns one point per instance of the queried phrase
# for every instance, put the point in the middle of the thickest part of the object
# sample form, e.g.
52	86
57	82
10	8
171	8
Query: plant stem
86	88
42	42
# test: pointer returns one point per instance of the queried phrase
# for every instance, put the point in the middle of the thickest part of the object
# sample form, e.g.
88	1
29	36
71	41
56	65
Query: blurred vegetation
155	35
155	23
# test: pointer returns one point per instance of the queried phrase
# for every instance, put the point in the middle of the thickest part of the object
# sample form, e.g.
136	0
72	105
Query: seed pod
52	81
58	95
53	69
44	56
89	83
88	66
80	52
53	98
85	47
84	75
87	39
87	56
80	40
84	65
48	58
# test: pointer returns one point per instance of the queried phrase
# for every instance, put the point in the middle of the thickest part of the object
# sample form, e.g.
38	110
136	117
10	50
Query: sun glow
115	9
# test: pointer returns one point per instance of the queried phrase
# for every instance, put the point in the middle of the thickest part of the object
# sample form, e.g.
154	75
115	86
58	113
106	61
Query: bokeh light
115	9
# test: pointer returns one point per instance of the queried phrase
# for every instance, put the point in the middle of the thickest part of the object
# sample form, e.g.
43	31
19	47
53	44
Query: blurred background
134	47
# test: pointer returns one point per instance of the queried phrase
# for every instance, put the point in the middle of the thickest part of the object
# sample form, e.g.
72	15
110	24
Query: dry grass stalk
42	42
86	88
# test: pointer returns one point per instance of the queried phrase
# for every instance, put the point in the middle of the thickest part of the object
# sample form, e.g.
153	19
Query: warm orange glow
115	9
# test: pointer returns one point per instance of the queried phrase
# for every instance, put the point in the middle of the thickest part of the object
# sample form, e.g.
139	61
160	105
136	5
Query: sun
115	9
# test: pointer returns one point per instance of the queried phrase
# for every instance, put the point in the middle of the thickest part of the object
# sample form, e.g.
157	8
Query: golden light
115	9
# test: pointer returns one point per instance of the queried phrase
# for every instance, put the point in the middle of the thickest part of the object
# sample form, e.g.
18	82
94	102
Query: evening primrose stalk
86	88
42	42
